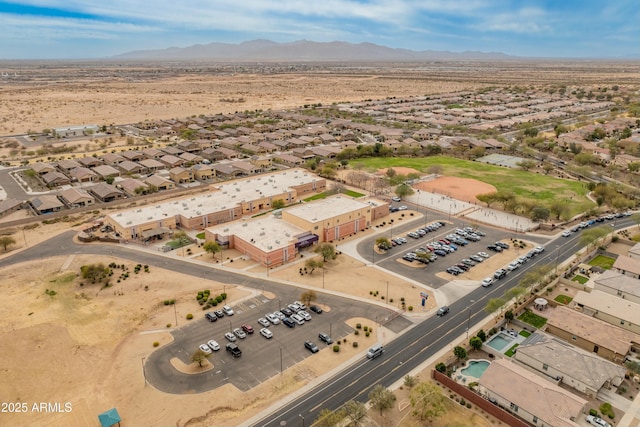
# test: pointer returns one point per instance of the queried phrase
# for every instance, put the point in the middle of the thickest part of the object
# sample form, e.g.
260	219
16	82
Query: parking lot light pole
300	415
469	317
230	327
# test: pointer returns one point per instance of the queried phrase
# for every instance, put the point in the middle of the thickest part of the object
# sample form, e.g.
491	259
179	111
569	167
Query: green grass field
533	319
511	351
602	261
527	185
563	299
524	333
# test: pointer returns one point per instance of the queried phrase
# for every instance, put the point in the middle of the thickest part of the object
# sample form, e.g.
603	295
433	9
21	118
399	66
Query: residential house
106	171
562	362
246	168
83	175
188	146
90	162
634	252
190	158
42	168
151	165
160	183
288	160
153	153
171	161
67	166
203	172
112	159
609	308
529	396
46	203
621	285
76	198
180	175
55	179
627	266
129	167
133	187
105	193
172	151
263	163
591	334
226	170
9	206
133	155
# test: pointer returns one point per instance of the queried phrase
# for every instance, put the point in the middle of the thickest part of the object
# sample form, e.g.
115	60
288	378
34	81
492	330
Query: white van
375	351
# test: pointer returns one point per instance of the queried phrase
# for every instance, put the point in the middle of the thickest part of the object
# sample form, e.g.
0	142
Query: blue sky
72	29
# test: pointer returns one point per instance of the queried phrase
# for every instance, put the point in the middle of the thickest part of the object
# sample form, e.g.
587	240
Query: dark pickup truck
234	349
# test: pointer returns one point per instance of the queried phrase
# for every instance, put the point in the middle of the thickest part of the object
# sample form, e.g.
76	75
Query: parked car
230	336
280	315
442	311
315	309
213	345
271	317
566	233
205	349
298	319
499	274
597	421
476	258
227	310
513	265
396	199
219	313
539	249
502	245
266	333
306	316
287	312
211	317
239	333
494	248
234	350
325	338
483	254
247	328
375	351
290	323
264	322
312	347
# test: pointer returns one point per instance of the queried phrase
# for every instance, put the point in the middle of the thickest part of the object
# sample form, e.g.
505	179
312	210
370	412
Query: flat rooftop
330	207
220	198
268	233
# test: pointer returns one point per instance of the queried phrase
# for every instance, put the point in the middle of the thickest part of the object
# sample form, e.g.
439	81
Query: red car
247	328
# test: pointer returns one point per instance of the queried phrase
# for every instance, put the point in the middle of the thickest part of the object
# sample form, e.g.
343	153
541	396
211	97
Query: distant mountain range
303	51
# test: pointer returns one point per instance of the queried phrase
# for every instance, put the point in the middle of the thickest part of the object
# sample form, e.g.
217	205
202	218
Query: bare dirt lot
459	188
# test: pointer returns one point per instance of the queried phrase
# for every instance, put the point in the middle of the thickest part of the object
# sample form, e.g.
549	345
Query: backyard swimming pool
499	342
475	368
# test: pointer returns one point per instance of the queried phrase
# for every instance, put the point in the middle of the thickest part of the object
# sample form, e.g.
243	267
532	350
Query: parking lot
261	358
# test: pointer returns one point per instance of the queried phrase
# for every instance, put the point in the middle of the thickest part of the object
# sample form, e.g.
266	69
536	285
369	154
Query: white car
306	316
239	333
514	265
229	336
213	345
539	249
266	333
483	254
566	233
597	421
297	318
487	281
280	315
396	199
205	349
264	322
227	310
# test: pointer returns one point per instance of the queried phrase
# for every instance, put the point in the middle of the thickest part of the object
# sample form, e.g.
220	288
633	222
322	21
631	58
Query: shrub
168	325
366	328
336	348
156	343
356	332
593	412
410	308
189	316
355	344
469	405
367	333
441	367
358	326
224	296
462	401
166	302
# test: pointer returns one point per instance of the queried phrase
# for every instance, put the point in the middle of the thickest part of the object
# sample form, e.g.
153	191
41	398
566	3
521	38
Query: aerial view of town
378	231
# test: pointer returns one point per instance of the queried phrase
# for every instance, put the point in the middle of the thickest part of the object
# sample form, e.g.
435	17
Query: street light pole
468	320
300	415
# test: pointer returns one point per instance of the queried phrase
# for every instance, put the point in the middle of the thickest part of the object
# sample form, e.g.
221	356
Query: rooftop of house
609	304
587	368
626	263
550	403
593	330
615	280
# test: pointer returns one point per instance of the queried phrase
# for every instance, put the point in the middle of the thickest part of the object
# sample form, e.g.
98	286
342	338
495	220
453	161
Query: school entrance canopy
109	418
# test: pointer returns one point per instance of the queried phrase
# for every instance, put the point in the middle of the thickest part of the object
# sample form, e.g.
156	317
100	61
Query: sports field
527	185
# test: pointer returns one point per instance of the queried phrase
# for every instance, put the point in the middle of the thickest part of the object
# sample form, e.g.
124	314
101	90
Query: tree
636	218
460	352
633	366
482	335
475	343
383	243
404	190
487	198
382	398
410	380
6	241
312	264
547	167
441	367
199	356
540	213
494	304
559	129
509	316
427	401
531	132
593	235
527	164
435	170
515	292
355	411
278	204
328	418
327	250
212	247
94	272
109	180
308	297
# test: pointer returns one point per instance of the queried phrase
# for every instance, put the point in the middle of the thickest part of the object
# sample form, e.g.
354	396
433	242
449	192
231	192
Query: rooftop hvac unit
193	199
262	234
269	247
139	210
244	224
128	222
149	218
120	214
226	229
200	205
277	242
158	207
176	202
